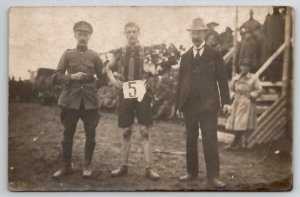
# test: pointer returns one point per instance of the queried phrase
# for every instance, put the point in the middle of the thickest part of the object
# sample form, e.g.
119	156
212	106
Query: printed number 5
132	88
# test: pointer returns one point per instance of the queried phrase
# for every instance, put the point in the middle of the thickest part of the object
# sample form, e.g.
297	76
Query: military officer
78	98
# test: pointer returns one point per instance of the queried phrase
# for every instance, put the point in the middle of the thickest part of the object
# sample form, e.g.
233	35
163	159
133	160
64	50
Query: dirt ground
35	133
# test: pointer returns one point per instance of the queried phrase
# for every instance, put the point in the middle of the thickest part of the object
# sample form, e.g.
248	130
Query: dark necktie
197	60
131	66
197	57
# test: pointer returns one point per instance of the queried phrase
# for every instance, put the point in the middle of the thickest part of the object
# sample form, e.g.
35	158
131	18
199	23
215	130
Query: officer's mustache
82	41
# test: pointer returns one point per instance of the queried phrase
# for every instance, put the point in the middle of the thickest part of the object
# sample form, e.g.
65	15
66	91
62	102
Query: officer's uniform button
81	65
81	87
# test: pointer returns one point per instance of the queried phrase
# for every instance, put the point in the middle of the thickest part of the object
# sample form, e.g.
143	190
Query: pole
235	41
286	55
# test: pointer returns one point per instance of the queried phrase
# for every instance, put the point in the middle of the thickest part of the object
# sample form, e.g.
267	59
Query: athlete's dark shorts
128	108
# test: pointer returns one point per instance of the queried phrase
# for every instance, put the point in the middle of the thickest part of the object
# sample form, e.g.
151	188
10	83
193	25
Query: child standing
246	89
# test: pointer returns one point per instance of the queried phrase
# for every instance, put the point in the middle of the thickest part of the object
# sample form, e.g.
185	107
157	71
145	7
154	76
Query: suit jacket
211	73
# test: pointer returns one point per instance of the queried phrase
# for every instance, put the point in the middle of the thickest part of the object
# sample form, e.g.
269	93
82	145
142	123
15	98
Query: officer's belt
84	81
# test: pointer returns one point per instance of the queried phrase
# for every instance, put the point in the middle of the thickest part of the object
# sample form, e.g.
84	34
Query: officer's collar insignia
81	48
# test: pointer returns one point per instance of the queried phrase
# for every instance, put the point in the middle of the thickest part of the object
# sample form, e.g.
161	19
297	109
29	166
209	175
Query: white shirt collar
201	47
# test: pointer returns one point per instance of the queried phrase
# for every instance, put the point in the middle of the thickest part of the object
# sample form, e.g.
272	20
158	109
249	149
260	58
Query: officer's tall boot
89	151
67	164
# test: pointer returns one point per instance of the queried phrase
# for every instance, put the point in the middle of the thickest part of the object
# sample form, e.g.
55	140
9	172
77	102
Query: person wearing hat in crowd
255	29
211	41
245	89
129	61
248	49
226	38
252	25
199	100
211	26
75	71
212	32
273	30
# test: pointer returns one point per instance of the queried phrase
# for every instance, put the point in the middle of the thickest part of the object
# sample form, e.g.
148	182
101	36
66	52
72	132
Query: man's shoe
123	170
216	183
151	174
187	177
62	172
86	172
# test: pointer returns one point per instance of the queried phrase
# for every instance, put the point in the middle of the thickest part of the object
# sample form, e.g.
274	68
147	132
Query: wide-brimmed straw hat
197	25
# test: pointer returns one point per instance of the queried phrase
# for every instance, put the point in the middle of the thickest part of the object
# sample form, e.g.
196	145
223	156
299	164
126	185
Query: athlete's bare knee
144	132
127	133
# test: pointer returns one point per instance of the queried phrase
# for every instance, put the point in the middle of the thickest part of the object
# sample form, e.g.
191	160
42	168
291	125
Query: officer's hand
118	84
79	76
179	114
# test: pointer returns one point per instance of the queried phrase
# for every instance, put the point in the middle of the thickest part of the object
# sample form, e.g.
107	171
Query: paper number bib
134	89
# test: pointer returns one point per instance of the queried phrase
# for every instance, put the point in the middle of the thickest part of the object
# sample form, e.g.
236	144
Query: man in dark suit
202	83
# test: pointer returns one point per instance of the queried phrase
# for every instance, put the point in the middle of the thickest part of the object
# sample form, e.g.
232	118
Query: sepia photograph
150	98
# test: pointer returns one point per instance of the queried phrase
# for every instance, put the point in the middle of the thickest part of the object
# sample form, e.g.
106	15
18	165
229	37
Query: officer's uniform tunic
78	98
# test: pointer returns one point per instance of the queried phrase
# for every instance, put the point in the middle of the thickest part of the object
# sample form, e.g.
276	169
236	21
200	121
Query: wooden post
286	55
235	41
228	55
270	60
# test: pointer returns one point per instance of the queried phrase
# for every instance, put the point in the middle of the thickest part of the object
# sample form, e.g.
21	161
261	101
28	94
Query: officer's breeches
69	118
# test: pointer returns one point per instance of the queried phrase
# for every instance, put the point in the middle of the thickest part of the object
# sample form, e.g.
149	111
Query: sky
38	36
